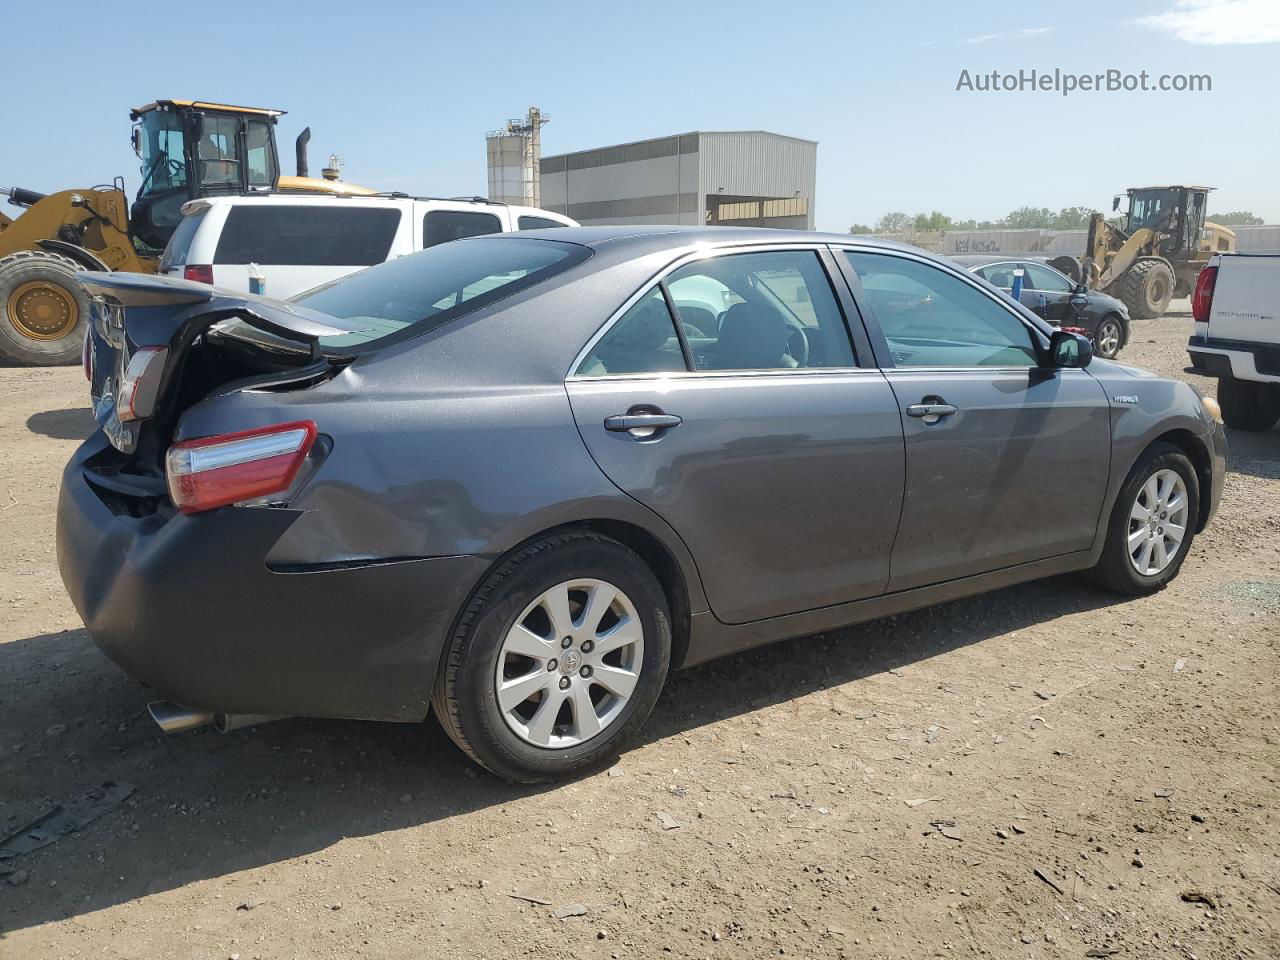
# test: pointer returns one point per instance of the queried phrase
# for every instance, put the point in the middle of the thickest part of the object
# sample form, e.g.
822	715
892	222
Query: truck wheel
1146	289
1068	265
43	309
1247	404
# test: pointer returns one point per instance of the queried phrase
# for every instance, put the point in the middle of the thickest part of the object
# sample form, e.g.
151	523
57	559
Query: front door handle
641	425
931	409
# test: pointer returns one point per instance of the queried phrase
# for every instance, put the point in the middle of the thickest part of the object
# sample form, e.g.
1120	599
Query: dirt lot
1127	750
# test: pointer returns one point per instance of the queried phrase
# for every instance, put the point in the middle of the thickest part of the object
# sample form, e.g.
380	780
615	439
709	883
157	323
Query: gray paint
777	500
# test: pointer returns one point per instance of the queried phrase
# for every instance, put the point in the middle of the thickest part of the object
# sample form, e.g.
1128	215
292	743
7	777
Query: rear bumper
187	605
1213	357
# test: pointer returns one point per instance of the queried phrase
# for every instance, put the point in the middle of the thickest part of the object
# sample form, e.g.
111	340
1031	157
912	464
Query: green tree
932	221
1072	218
1237	218
1027	218
859	228
894	222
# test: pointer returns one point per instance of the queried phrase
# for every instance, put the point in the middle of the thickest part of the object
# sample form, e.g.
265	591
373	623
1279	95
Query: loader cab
190	149
1175	213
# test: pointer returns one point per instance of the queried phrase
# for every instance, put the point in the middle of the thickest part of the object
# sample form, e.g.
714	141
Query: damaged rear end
168	514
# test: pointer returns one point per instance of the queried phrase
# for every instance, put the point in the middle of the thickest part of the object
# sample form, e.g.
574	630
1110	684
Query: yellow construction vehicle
1163	246
188	149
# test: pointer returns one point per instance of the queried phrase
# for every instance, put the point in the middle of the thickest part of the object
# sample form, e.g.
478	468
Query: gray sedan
516	479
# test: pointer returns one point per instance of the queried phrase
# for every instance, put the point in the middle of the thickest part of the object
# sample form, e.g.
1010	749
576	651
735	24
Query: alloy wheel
1158	522
569	664
1108	338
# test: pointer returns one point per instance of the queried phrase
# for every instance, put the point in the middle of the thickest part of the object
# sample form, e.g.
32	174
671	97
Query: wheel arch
656	555
1196	451
86	258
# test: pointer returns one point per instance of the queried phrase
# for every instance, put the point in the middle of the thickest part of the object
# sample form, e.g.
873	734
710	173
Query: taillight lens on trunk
136	394
234	467
199	272
1202	299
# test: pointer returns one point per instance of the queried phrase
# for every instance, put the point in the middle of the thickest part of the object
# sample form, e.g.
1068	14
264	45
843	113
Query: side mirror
1115	203
1070	349
1081	289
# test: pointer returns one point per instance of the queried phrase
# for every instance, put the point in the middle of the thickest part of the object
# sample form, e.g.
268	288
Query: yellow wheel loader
188	149
1163	246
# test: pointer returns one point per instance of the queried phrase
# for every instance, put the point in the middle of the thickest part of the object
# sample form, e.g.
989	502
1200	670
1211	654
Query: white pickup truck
1237	336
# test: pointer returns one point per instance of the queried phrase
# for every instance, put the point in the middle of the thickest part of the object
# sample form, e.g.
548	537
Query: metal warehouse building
735	178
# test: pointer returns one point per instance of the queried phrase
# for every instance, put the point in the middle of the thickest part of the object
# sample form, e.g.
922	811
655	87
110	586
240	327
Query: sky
404	91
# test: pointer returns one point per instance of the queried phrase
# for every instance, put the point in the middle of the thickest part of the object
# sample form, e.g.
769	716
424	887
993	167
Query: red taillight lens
199	272
1202	299
234	467
136	394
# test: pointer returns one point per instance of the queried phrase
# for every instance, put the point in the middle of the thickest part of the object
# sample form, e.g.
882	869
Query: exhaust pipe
300	151
172	718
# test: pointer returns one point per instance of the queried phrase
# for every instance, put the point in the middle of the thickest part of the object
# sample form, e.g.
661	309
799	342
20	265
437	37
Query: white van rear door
297	246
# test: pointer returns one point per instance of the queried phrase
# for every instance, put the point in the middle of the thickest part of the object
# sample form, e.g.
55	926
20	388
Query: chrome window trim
705	252
727	374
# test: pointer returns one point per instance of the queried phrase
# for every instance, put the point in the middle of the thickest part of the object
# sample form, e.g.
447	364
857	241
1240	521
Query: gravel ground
1046	771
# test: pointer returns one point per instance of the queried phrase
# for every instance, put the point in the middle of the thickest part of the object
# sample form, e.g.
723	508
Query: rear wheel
43	309
558	659
1146	289
1152	524
1247	404
1109	337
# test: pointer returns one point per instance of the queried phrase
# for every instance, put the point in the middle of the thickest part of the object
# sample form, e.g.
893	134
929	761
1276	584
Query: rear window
300	235
431	287
175	253
441	226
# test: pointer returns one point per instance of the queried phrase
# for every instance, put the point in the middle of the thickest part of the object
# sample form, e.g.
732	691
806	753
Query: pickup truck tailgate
1246	299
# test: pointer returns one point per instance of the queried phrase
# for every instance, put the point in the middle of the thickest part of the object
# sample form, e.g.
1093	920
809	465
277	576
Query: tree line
1024	218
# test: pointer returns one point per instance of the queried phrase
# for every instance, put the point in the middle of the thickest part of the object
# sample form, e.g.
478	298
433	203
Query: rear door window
302	235
441	226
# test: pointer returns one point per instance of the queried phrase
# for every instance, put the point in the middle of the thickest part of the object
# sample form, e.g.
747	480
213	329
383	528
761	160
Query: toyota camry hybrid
516	479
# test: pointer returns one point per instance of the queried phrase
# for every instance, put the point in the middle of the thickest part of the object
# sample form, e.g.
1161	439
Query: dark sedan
1056	298
516	479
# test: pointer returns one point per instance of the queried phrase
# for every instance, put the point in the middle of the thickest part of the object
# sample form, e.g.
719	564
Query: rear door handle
641	424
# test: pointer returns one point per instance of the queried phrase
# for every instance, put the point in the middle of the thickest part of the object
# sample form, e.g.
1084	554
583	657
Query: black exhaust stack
300	150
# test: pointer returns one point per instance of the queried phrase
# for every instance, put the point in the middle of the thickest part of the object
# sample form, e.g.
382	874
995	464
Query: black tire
1146	289
465	697
1067	265
63	309
1114	570
1247	404
1110	322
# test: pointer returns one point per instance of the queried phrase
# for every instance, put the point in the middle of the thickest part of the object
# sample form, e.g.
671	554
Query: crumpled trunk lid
215	341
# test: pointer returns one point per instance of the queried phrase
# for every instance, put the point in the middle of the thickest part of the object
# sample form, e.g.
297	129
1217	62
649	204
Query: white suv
292	243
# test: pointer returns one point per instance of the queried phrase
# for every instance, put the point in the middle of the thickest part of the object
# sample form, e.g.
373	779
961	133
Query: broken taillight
1202	299
199	272
234	467
136	394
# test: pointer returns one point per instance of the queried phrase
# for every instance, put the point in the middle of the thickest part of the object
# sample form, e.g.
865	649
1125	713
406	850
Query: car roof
640	239
982	259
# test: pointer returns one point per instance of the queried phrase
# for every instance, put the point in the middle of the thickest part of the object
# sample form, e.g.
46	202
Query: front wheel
1152	524
558	659
43	309
1109	337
